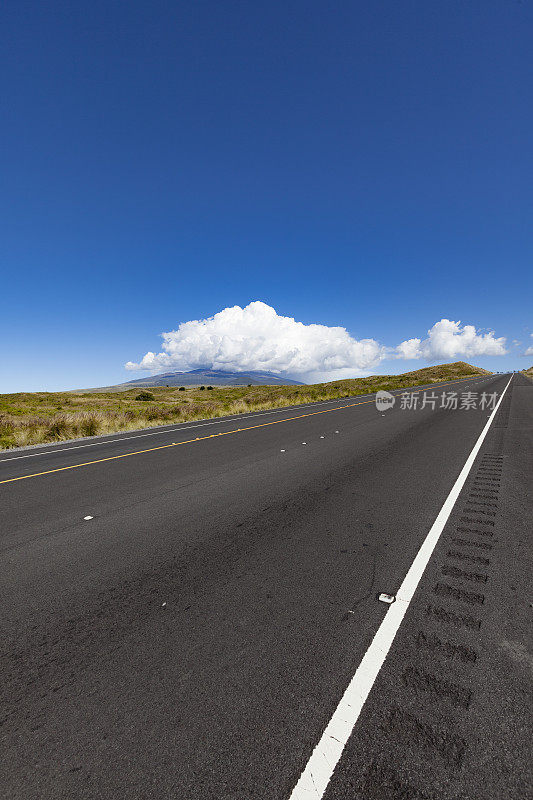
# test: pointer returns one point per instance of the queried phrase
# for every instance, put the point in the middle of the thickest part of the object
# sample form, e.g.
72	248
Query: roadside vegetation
528	372
29	418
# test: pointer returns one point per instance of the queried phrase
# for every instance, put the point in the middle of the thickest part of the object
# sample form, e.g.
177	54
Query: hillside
528	372
37	417
441	372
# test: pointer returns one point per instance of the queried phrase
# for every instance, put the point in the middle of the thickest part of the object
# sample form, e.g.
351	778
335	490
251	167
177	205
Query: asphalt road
193	638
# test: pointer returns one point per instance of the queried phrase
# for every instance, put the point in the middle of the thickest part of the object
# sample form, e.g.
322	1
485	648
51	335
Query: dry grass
38	417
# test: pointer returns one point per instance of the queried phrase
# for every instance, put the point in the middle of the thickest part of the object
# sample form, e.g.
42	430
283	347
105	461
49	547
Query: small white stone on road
304	442
282	451
163	605
336	431
386	598
88	518
322	437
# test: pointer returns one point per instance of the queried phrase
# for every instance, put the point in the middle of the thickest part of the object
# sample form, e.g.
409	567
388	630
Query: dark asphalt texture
193	639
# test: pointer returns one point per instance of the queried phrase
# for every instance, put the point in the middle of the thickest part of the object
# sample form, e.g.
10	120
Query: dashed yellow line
210	436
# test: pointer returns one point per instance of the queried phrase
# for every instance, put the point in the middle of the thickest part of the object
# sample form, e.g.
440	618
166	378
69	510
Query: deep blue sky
364	164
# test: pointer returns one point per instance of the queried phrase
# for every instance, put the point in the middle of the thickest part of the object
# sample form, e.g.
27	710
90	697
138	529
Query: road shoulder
449	716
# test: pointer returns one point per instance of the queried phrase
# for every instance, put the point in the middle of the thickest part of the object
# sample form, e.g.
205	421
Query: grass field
30	418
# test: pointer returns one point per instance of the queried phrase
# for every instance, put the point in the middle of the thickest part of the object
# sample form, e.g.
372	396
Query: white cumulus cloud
448	339
256	337
529	351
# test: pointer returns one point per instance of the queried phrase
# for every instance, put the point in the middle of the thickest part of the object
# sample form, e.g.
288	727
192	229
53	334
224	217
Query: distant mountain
208	377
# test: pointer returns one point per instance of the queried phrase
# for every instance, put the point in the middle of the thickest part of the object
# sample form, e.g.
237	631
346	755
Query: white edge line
235	417
320	767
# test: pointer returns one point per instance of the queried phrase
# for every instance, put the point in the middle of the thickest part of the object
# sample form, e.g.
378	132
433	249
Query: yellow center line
210	436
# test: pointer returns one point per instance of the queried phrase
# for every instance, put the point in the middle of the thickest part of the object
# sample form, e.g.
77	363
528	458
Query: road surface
182	610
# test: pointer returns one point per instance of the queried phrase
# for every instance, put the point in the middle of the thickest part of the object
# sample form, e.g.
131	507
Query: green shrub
181	389
145	396
89	426
58	428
